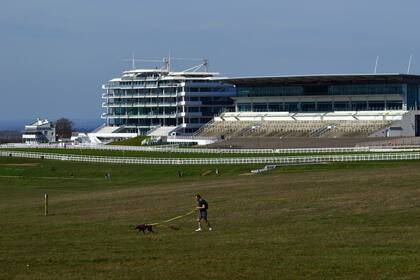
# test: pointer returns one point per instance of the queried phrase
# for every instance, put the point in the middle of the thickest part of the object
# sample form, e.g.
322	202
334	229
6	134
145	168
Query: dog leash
172	219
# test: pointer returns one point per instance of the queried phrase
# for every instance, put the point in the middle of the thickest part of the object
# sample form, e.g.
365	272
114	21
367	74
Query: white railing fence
190	150
213	161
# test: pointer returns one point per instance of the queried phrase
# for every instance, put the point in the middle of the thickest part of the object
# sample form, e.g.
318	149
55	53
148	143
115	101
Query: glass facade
327	96
365	89
311	90
413	96
320	106
270	91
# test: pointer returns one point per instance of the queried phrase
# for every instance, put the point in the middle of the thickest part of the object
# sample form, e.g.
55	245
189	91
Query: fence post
46	204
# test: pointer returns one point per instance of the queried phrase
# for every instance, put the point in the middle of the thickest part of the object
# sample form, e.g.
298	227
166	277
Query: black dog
144	227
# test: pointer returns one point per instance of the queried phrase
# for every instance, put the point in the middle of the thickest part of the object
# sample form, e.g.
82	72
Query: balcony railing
146	95
130	105
138	116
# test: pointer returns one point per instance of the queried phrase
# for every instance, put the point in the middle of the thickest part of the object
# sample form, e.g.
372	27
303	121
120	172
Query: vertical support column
183	106
405	99
176	105
107	106
418	97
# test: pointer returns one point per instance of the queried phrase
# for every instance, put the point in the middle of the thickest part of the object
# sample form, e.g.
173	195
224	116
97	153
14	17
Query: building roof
164	72
324	78
40	122
139	71
193	74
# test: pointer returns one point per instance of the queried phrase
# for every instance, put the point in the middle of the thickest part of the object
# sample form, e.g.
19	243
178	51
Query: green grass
332	221
136	141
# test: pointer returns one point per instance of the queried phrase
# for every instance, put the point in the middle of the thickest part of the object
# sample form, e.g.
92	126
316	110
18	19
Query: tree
63	128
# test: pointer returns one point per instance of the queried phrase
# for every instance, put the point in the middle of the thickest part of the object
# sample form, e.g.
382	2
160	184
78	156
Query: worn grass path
341	221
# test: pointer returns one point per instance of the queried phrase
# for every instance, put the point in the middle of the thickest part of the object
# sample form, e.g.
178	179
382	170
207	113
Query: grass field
135	141
339	221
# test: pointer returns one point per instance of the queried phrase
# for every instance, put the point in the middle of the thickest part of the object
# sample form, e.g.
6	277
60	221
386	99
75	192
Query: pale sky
55	55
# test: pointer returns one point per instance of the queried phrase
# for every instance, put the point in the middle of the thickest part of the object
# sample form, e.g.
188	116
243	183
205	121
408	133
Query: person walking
202	212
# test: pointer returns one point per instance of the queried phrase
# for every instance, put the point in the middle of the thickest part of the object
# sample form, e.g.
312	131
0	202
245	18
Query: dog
144	228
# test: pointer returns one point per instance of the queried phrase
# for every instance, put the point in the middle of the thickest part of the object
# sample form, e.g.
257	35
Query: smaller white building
41	131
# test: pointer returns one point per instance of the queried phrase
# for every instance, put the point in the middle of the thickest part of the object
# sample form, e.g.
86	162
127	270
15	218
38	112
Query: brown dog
144	227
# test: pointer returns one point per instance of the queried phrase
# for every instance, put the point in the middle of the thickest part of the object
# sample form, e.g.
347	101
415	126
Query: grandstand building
159	101
360	105
327	93
40	131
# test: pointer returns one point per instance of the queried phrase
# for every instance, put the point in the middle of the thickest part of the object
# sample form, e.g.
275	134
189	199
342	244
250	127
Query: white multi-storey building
146	100
41	131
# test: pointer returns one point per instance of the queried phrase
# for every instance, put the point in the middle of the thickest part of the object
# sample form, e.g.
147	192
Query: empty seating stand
334	124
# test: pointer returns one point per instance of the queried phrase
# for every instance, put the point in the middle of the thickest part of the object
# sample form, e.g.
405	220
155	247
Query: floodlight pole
206	64
133	62
409	64
376	64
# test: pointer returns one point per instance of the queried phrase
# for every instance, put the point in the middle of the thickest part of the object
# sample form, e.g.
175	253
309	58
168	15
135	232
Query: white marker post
46	204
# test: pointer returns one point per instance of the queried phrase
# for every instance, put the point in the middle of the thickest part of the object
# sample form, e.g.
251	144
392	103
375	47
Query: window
291	107
394	105
316	90
359	105
193	89
341	106
365	89
325	106
412	96
244	107
275	107
260	107
269	91
376	105
307	106
193	109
